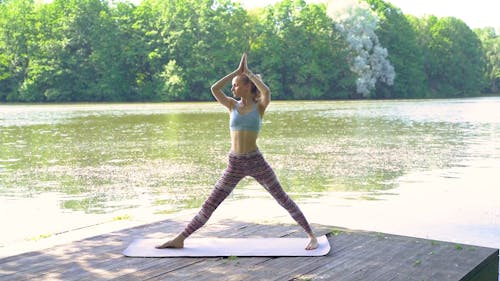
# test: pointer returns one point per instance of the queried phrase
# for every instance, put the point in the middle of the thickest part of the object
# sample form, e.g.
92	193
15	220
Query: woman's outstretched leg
268	179
222	189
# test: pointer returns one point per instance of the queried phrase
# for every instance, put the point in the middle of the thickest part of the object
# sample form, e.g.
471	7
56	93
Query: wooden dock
355	255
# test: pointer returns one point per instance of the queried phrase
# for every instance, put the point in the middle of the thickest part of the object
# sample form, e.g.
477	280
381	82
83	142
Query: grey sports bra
250	121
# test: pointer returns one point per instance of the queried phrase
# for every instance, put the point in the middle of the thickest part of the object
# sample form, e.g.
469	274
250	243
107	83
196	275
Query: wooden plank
486	270
355	255
75	260
95	247
99	246
235	269
99	249
395	257
163	266
290	268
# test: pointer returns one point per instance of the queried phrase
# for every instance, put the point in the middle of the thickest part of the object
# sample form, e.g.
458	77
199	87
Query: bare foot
313	243
177	242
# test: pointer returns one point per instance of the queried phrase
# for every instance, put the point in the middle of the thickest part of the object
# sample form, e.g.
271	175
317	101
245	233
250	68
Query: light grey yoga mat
225	247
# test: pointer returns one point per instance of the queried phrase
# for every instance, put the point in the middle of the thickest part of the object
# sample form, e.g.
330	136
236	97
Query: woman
244	159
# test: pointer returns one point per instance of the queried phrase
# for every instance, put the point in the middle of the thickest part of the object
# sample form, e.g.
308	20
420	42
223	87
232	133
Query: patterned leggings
240	165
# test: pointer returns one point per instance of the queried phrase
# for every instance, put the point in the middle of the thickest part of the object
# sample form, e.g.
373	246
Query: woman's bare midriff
243	141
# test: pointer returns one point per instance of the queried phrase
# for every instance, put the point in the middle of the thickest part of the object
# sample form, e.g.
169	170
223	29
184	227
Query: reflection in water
102	157
426	168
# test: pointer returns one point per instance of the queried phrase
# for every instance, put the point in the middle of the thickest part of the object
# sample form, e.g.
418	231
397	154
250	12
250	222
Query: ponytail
255	91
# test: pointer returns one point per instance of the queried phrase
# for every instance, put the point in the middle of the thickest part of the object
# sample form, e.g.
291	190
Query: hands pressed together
243	67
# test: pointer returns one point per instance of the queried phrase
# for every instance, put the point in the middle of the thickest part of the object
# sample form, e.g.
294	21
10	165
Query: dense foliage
166	50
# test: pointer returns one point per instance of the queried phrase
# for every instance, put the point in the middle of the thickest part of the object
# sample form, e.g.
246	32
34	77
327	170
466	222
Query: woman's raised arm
264	91
219	85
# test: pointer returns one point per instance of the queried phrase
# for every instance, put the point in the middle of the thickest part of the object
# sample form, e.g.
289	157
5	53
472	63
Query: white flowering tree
357	23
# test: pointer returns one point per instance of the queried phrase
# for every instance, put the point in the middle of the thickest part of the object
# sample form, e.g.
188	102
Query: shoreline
209	102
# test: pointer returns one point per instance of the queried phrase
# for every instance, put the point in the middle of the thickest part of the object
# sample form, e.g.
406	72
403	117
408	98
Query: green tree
17	20
77	54
104	50
64	65
397	35
453	57
146	50
491	46
300	53
202	39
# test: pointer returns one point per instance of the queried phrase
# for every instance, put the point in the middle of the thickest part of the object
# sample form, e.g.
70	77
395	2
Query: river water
426	168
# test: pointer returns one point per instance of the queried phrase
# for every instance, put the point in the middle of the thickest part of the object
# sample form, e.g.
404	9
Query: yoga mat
225	247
